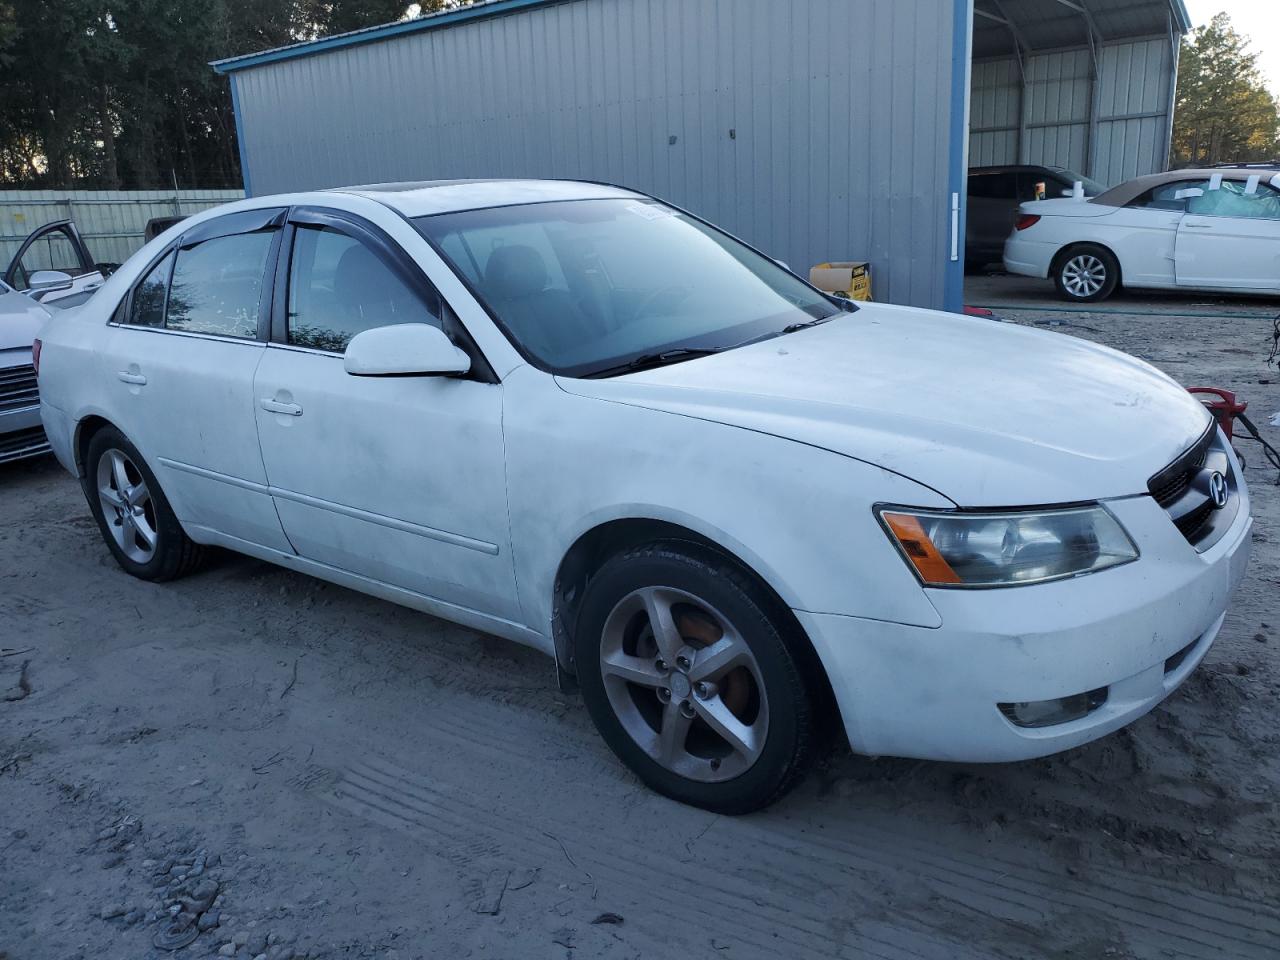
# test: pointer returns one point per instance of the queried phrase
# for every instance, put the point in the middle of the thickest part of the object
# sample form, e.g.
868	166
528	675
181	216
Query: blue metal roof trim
1183	14
477	11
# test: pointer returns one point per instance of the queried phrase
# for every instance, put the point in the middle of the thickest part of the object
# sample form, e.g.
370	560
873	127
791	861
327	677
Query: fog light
1046	713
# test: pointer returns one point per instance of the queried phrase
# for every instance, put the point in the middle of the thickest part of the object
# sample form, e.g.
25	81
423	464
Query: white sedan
741	515
1206	230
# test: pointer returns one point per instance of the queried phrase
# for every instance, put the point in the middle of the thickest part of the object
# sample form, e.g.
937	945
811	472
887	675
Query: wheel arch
86	427
1056	263
610	537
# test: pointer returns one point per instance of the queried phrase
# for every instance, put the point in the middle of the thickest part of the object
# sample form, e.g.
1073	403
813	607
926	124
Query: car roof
1132	189
429	197
1016	168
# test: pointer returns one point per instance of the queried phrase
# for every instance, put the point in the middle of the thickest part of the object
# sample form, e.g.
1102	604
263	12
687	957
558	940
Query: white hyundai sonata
740	514
1206	230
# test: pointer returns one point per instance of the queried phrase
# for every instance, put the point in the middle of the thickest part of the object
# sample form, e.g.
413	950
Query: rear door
1229	237
179	363
55	246
398	479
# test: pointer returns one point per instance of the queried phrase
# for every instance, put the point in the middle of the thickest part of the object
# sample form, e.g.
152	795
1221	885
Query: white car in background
742	514
1206	230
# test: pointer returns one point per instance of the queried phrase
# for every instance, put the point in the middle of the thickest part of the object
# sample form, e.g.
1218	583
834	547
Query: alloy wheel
1084	275
684	684
127	507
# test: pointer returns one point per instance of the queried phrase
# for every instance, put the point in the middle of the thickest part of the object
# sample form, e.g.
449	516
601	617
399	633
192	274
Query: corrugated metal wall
1133	101
111	221
814	129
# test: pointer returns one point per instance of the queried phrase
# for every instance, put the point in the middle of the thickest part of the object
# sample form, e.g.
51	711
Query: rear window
217	286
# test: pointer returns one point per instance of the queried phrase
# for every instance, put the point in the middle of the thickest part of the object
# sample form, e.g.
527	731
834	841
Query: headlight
961	549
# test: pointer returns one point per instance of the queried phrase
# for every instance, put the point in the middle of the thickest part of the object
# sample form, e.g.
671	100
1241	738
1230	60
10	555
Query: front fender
799	516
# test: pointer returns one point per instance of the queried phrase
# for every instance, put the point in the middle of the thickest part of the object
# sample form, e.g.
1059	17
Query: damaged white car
1210	230
740	514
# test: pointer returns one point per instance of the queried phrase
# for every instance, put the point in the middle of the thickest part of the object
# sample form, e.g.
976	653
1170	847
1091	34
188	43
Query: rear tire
1086	273
711	708
133	515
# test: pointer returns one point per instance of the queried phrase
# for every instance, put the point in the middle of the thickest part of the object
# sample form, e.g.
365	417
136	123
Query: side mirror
404	350
48	281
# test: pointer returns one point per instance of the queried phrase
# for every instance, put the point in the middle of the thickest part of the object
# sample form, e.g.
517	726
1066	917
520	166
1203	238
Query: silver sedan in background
21	434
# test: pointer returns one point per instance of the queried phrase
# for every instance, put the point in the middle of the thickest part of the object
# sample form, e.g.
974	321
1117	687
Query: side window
1027	183
1169	196
994	186
1234	199
217	285
339	287
147	307
51	251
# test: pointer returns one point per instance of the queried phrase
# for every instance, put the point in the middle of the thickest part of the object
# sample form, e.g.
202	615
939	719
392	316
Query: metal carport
814	129
1083	84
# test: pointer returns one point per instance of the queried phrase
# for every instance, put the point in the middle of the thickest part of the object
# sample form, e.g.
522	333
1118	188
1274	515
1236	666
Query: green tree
1225	113
118	93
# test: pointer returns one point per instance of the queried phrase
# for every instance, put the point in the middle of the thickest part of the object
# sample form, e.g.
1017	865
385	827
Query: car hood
1065	207
20	321
985	413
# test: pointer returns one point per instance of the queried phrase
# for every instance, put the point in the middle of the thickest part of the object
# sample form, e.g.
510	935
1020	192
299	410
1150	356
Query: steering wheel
675	291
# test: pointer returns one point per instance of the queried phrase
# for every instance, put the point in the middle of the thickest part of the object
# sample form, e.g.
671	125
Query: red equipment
1225	408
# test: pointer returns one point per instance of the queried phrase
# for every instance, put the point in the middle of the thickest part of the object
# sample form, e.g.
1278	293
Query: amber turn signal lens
919	549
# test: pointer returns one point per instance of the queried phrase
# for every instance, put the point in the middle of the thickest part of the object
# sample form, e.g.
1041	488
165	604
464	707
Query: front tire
690	679
1086	273
133	515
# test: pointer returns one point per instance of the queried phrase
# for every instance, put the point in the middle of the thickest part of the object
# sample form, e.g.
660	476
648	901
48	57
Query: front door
55	246
179	361
1230	237
398	479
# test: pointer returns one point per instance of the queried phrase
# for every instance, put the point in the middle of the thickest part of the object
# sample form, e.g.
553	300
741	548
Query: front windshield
586	287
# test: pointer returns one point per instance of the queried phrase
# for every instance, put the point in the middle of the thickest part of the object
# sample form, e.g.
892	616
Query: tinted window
147	308
338	287
217	285
994	186
1234	199
1169	196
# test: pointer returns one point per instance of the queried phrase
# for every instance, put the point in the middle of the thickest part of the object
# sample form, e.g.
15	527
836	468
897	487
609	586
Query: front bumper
21	435
1136	631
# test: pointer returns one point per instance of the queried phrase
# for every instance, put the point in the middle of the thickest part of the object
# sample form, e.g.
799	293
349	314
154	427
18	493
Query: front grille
18	387
1172	482
22	443
1194	525
1182	489
1168	492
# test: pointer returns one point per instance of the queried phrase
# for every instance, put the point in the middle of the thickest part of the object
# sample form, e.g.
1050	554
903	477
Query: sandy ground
315	773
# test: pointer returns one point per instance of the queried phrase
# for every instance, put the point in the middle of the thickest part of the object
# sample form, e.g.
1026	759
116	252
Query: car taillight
35	356
1026	220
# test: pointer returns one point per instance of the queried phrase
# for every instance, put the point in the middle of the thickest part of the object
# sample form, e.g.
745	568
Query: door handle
276	406
1198	226
128	377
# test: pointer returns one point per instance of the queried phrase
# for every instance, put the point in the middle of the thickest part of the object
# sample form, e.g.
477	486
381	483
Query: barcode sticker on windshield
650	211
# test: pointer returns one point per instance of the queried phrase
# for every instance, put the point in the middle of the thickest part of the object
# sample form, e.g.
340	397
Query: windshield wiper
805	324
649	361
